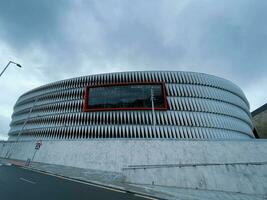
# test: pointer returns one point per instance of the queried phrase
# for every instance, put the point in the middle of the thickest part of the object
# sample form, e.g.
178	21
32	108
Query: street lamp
10	62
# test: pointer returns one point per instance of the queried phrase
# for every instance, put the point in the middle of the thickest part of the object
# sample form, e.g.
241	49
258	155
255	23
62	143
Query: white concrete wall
115	154
250	179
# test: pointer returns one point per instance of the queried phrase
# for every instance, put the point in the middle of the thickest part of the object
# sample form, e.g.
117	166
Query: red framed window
125	96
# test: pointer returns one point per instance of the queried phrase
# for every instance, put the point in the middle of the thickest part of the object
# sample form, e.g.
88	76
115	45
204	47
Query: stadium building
173	105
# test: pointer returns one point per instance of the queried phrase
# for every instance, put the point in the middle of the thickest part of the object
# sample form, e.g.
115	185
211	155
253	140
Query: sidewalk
19	163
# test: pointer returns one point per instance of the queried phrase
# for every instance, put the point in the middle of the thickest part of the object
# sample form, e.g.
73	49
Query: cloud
30	21
220	38
73	38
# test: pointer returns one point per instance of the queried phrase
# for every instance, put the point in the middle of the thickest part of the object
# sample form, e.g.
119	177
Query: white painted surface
113	155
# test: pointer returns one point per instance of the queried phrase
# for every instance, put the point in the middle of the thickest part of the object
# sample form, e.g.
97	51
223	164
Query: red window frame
86	107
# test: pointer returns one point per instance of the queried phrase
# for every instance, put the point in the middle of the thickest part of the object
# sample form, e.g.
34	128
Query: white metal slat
115	132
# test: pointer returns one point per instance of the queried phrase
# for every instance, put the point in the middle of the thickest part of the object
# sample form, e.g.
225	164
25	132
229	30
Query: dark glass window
130	96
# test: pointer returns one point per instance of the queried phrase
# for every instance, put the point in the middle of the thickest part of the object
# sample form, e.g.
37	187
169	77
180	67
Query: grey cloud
29	21
220	38
225	38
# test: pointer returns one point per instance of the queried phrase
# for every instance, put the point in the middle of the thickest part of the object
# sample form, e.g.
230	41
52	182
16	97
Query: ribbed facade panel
200	106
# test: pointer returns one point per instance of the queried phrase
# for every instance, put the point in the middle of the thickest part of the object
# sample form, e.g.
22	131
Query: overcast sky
57	39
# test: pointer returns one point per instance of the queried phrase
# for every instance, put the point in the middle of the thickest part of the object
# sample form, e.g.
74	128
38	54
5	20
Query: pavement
20	183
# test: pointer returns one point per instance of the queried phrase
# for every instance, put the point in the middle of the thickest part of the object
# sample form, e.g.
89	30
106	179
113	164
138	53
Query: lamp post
18	65
9	153
10	62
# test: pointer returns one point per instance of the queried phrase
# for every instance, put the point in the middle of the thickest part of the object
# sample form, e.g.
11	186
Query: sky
54	40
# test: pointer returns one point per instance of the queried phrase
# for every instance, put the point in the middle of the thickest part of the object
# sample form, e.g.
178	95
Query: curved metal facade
200	106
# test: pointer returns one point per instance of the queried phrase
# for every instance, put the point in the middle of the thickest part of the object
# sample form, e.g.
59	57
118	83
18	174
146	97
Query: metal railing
133	167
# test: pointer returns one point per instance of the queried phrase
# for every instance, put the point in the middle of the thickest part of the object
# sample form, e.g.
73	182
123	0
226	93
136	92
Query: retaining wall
236	166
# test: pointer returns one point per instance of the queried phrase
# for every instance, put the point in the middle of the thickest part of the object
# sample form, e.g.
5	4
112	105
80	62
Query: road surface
19	183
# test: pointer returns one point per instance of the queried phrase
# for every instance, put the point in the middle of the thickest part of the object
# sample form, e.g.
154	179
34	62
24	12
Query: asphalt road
18	183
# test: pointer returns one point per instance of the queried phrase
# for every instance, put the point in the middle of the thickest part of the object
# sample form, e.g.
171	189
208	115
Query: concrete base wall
249	179
118	155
